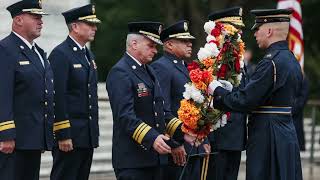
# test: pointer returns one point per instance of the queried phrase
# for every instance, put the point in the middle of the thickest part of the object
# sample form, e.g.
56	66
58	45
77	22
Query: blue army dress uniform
26	101
138	112
76	102
272	149
231	139
173	75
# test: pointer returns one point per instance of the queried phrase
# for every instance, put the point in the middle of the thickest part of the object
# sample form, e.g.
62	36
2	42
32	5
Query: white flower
203	53
208	26
210	38
239	77
241	63
217	125
239	38
192	92
213	49
224	119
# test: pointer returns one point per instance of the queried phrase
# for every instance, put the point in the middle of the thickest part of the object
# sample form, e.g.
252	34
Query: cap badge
240	12
185	26
40	3
93	9
160	29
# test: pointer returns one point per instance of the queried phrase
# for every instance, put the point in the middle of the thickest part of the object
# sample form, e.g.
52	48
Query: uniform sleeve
173	127
301	98
7	79
164	78
60	67
121	95
256	92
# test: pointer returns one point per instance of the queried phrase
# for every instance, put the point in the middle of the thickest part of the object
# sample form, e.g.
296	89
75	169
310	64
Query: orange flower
230	29
208	62
189	114
200	85
241	47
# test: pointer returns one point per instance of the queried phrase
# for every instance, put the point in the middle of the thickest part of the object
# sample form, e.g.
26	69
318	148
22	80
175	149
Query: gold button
90	107
46	91
156	114
89	95
46	103
157	125
90	117
54	92
88	85
46	115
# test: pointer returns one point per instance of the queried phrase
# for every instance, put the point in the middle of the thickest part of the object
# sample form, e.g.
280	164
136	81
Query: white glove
226	85
213	85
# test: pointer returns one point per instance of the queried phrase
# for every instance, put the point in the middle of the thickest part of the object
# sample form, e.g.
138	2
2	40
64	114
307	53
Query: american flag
295	37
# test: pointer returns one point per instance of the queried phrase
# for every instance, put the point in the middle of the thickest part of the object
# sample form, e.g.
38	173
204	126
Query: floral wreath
220	59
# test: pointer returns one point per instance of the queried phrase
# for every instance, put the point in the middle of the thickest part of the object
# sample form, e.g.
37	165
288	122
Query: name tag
24	62
77	66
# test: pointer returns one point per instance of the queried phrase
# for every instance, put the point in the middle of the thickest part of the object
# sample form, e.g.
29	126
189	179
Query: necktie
85	54
37	55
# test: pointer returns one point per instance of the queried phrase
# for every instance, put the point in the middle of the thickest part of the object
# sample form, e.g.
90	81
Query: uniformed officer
229	140
173	74
26	95
272	149
140	147
76	102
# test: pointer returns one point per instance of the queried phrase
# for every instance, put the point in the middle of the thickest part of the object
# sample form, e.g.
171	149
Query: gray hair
132	37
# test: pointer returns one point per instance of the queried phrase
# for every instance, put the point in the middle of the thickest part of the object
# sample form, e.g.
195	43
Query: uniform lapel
26	51
137	70
77	53
178	64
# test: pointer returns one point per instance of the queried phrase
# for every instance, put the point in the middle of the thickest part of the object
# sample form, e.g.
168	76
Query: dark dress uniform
272	149
138	115
26	101
76	105
231	139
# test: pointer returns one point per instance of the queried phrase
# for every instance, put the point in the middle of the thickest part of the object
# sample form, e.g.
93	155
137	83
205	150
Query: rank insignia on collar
134	67
175	61
21	47
75	48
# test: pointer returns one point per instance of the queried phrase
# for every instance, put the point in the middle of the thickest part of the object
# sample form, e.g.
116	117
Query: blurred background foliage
109	45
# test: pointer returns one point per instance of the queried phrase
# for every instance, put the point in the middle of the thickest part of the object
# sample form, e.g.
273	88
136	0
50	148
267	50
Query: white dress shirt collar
24	40
138	62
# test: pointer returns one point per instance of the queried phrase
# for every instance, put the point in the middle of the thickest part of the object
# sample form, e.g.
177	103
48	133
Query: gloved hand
226	85
213	85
